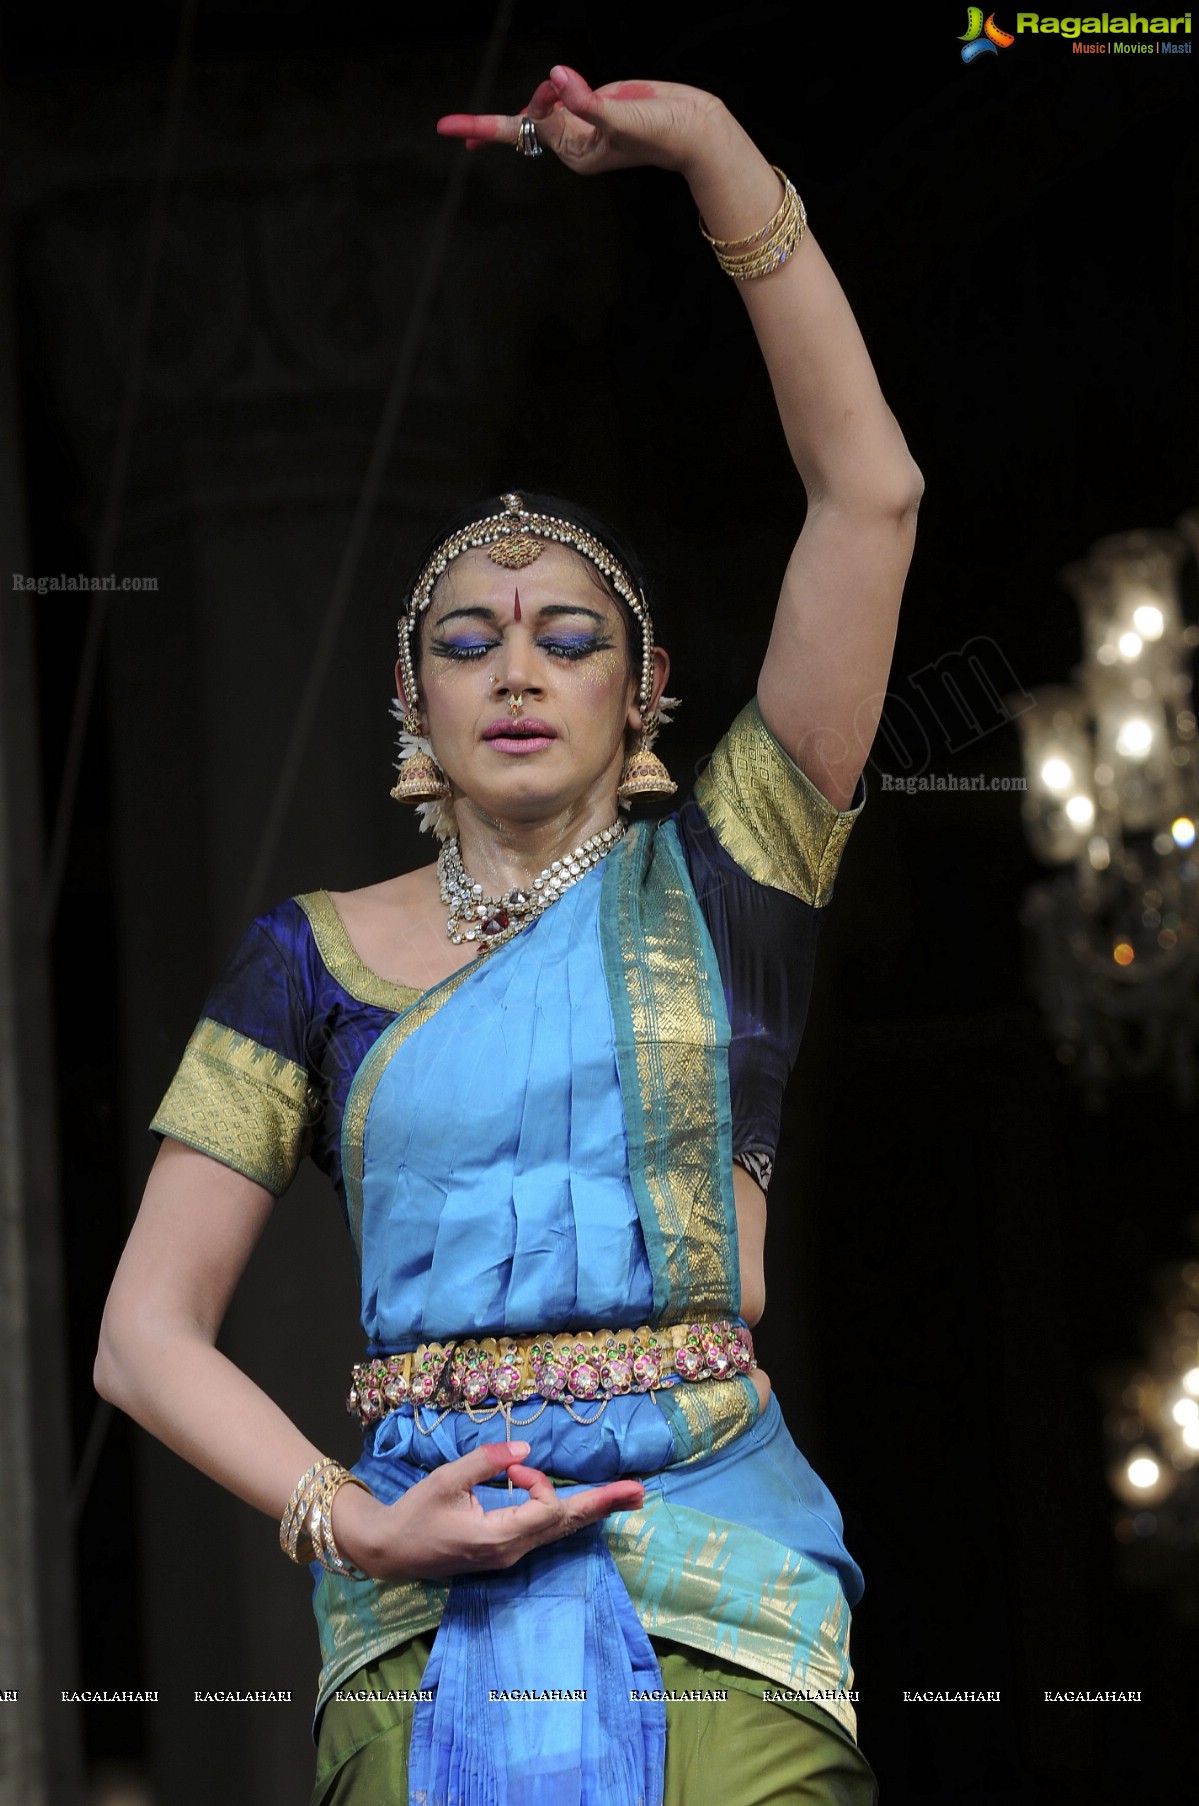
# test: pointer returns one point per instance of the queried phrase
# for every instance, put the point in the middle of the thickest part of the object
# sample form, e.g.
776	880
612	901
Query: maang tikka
514	538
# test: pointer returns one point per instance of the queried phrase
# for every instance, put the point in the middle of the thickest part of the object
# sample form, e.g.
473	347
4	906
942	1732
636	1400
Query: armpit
758	1164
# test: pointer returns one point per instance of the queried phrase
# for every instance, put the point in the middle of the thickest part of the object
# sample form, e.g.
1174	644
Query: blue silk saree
546	1141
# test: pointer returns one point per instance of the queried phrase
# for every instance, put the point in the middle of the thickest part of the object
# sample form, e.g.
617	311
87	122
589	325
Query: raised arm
825	672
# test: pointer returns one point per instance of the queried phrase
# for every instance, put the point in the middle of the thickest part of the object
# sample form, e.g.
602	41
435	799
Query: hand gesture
440	1527
618	126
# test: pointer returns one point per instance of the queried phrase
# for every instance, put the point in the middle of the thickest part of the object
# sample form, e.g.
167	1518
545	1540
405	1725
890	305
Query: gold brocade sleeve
236	1100
769	816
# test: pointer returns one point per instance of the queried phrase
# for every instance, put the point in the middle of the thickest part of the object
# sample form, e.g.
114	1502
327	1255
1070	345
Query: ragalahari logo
982	38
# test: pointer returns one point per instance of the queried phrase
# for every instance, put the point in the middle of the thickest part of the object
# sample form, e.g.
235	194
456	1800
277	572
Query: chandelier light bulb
1185	1411
1131	645
1141	1477
1081	811
1190	1381
1135	738
1143	1472
1056	775
1190	1435
1059	756
1149	621
1183	834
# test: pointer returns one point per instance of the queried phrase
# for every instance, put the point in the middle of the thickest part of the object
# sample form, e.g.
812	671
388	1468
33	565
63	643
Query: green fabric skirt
740	1751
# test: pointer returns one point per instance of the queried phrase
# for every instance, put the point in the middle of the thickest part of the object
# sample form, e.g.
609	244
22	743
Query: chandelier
1112	768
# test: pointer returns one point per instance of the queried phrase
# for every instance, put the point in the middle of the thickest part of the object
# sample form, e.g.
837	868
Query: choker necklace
492	920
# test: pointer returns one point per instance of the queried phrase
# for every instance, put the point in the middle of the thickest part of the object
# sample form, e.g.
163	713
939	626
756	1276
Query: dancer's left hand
619	126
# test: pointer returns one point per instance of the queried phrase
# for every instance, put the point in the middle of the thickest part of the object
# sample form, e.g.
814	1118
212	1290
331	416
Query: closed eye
570	649
462	648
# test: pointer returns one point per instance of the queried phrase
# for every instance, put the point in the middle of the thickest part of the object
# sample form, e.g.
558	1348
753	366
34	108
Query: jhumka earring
420	778
643	773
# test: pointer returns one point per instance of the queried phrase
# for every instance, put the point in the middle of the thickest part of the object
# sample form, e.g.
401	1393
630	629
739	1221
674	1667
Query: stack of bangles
306	1527
767	249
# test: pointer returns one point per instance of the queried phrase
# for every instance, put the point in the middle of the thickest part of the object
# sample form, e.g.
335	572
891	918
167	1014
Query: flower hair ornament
514	537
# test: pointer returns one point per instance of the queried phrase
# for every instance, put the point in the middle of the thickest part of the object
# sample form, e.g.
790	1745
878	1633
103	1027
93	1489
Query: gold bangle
306	1527
291	1524
324	1546
751	238
761	252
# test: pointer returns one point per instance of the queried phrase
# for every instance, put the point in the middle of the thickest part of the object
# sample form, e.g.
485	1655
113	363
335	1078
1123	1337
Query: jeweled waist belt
575	1366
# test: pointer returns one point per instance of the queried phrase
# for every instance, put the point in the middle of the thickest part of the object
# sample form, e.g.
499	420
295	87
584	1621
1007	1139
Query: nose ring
516	703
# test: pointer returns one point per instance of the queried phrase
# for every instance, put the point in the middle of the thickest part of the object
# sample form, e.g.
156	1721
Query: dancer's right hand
440	1526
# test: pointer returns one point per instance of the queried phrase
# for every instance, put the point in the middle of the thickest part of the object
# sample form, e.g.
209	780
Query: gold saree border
342	963
359	1621
672	1033
685	1590
241	1103
706	1418
769	816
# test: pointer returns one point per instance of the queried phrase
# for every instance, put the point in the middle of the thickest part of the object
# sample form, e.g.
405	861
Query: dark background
958	1249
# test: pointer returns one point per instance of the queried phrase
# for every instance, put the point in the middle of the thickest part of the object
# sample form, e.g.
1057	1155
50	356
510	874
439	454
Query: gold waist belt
573	1366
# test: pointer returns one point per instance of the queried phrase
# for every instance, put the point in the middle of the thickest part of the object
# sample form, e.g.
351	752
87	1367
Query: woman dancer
553	1134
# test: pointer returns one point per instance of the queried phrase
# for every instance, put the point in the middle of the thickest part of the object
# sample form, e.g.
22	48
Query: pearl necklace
492	920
